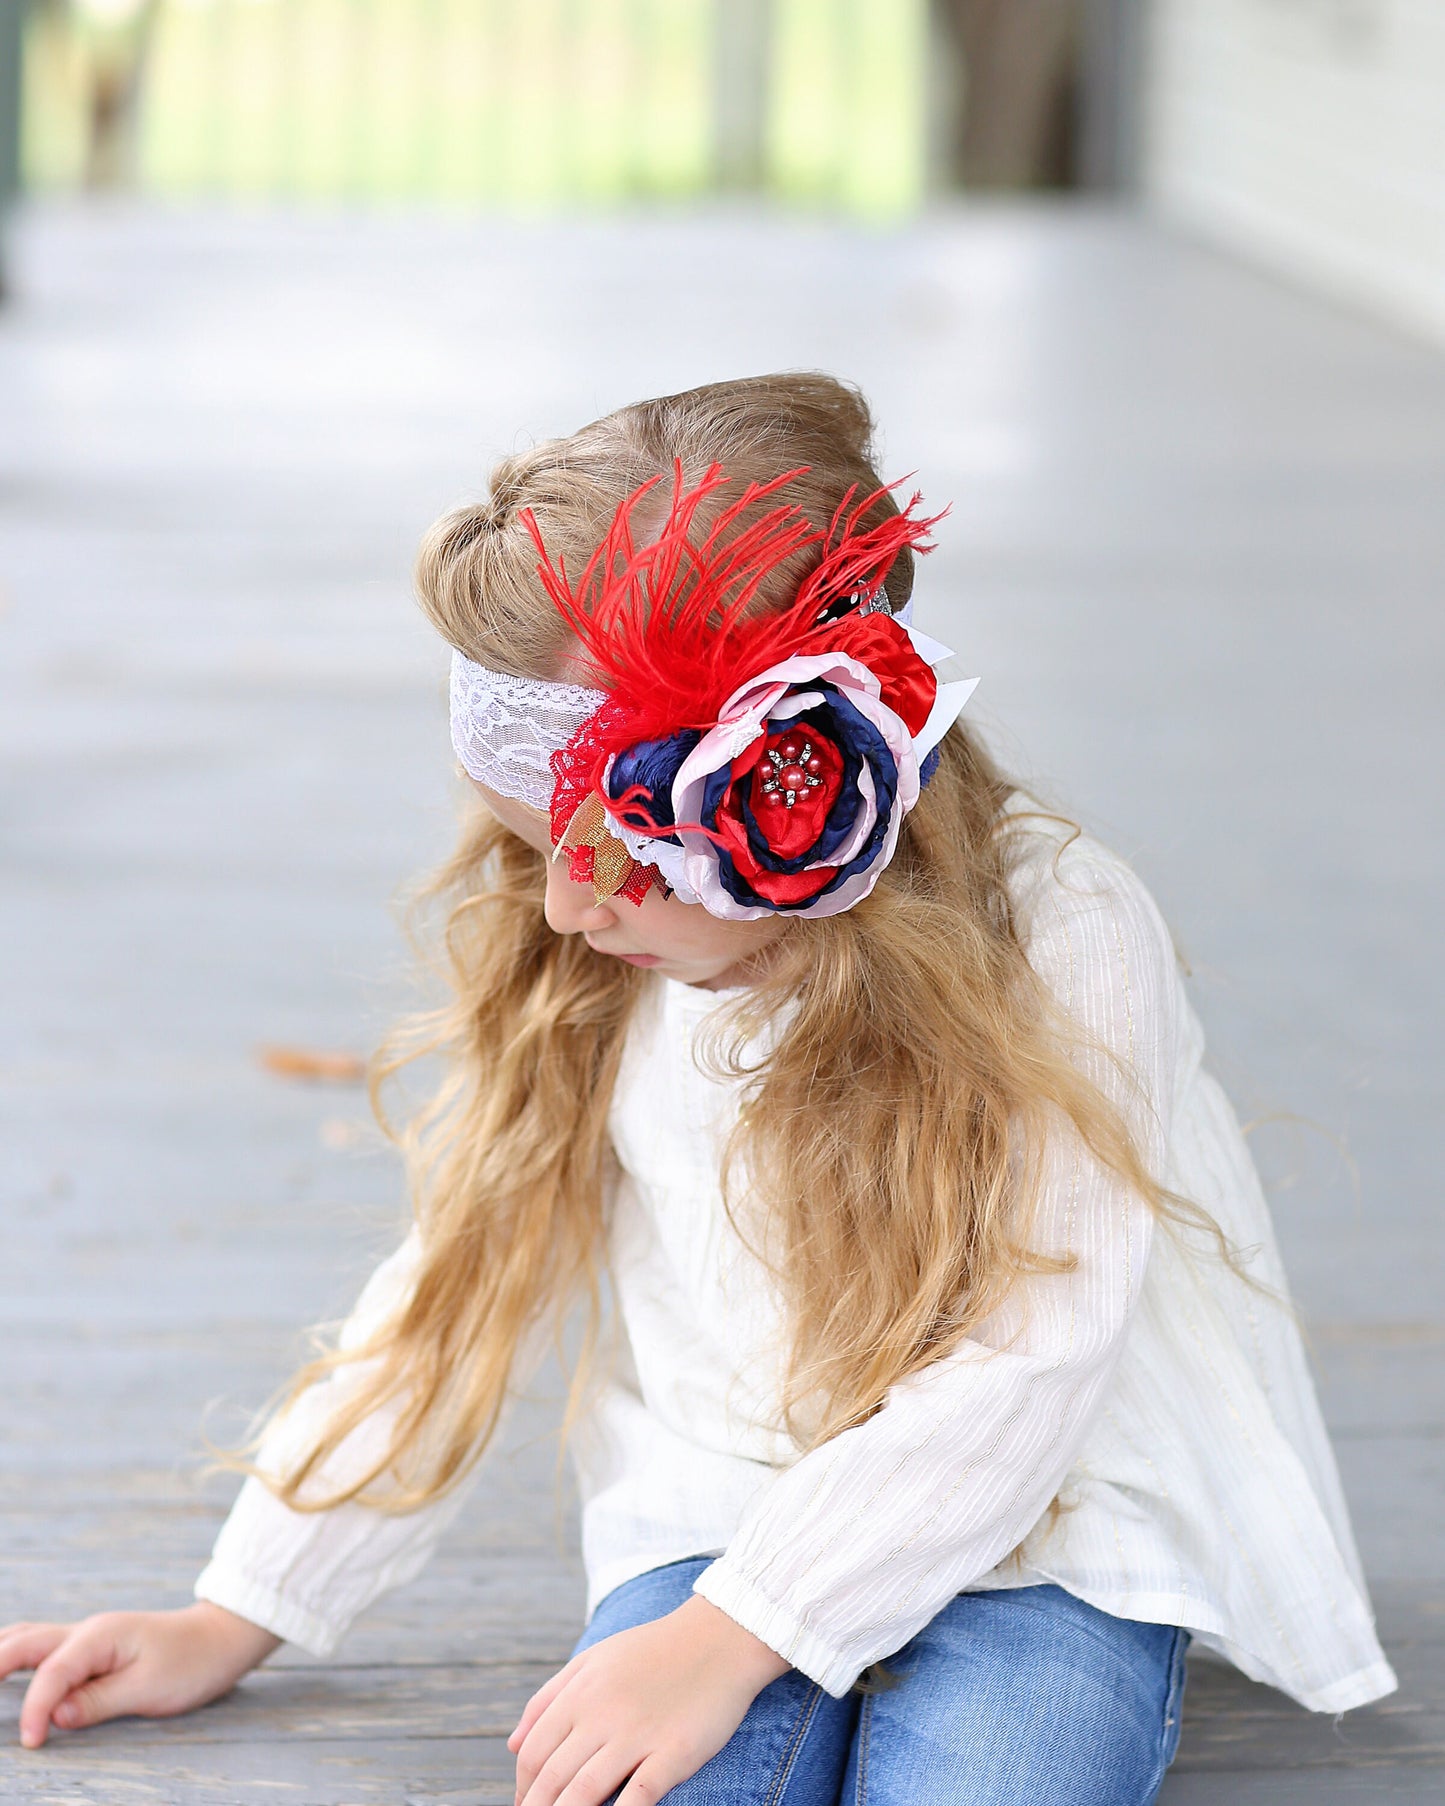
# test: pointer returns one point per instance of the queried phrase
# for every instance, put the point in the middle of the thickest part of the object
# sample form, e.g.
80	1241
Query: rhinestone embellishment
795	767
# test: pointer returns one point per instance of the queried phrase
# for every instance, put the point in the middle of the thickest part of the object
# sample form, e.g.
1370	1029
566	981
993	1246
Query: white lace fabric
506	728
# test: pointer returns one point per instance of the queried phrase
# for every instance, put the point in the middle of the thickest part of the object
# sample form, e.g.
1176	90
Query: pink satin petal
867	815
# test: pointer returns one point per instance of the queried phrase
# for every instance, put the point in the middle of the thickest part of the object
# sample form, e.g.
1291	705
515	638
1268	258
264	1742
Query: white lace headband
505	728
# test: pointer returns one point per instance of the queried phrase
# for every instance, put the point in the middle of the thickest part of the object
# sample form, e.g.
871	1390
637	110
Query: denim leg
1025	1697
791	1747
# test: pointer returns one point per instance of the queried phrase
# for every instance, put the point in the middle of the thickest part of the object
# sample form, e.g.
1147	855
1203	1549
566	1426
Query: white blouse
1164	1402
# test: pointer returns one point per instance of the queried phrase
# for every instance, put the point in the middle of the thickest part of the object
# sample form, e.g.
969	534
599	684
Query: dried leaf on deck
316	1064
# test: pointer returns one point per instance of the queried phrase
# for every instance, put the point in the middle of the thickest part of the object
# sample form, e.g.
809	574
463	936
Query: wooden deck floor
1197	554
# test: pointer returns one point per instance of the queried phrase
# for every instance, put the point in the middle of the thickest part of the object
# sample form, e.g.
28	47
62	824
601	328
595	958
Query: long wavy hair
892	1133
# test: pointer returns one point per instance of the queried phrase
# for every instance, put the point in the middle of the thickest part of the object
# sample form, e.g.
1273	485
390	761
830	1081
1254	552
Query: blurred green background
537	105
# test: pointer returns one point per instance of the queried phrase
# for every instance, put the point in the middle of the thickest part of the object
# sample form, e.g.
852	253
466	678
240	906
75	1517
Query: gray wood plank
1231	1723
1314	1787
459	1771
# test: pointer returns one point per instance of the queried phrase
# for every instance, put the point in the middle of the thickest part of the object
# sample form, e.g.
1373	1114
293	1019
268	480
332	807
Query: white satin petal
702	873
947	707
931	651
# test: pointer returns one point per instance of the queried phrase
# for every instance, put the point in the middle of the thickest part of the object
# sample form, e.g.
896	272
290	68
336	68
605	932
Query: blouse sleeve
305	1576
854	1548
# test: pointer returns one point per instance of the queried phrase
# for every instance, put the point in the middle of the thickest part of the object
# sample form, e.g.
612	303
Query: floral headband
751	765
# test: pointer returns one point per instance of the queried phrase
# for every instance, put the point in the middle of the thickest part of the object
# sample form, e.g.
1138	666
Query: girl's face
680	939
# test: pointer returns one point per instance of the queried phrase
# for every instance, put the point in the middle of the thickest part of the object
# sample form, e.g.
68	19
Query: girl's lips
633	959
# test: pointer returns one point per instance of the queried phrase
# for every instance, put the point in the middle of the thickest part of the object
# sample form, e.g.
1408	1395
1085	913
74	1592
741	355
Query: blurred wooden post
11	33
117	68
1018	63
742	53
943	86
1111	74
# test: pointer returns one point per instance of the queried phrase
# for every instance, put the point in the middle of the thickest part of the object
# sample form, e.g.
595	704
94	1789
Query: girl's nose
569	908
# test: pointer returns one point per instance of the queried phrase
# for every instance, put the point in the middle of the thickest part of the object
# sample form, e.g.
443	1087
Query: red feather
662	623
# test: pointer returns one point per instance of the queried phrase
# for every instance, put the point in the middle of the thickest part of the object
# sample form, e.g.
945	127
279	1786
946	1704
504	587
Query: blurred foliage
513	103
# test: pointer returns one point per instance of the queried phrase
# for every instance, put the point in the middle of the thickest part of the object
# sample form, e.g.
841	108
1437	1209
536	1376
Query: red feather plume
663	627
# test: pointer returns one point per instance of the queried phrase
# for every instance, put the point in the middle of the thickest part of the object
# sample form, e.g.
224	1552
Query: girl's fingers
27	1645
96	1700
648	1784
89	1651
547	1732
596	1781
536	1706
555	1776
536	1751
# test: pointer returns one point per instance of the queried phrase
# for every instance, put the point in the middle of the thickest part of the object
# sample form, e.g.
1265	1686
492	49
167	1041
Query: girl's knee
1028	1698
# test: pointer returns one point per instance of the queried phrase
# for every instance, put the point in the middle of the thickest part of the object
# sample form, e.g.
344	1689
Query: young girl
946	1384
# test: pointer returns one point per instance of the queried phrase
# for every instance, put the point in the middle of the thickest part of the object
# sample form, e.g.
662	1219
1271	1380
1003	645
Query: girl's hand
153	1664
652	1704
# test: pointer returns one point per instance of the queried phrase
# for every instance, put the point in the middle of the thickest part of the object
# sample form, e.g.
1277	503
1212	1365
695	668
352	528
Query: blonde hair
893	1131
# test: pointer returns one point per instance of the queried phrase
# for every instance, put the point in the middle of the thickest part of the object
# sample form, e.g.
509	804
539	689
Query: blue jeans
1026	1697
